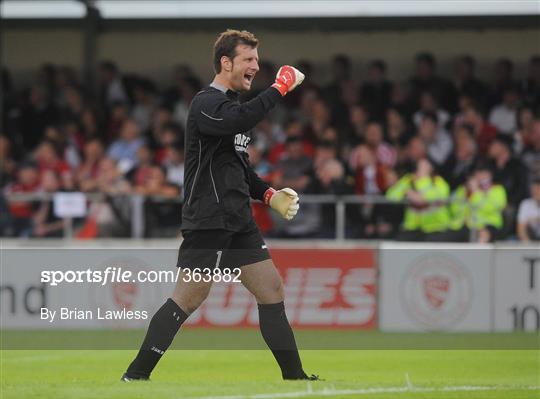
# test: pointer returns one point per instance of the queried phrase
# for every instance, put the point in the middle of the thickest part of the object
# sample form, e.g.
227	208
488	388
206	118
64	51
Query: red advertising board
324	288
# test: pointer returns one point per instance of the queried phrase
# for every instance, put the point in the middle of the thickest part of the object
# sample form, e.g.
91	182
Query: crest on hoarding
436	291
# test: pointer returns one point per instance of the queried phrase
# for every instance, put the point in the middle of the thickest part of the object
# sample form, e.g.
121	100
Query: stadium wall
155	53
357	285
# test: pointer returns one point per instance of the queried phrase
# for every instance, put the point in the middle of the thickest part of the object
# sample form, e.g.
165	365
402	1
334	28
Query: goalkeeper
217	224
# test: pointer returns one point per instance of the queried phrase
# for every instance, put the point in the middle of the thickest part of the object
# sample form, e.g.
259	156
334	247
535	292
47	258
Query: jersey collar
224	90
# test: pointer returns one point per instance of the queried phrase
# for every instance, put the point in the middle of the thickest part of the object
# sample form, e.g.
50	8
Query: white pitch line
369	391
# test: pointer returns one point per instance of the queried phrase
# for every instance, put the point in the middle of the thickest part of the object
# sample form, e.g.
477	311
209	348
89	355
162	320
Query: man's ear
226	64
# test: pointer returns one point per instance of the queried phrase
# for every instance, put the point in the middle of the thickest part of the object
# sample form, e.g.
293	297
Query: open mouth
248	78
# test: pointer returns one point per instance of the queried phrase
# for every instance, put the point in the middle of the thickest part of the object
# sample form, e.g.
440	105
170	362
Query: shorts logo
437	291
241	142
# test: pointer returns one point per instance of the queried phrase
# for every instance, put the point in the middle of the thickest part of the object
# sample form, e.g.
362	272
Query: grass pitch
244	374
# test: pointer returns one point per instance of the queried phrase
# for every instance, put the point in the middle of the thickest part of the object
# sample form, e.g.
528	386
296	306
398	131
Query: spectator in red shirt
89	169
47	158
484	132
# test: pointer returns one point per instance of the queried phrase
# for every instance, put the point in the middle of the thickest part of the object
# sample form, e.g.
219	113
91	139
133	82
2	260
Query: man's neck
222	81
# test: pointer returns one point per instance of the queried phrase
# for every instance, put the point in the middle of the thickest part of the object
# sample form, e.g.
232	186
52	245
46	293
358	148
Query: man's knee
189	297
271	293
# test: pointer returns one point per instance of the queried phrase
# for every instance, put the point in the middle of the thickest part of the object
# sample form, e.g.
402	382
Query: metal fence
134	206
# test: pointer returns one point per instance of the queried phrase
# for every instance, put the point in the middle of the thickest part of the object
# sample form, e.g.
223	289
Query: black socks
161	331
278	335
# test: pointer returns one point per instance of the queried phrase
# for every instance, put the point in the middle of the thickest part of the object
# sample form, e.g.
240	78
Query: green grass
241	373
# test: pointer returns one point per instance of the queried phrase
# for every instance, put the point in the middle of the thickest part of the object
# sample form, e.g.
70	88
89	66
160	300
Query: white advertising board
517	286
434	287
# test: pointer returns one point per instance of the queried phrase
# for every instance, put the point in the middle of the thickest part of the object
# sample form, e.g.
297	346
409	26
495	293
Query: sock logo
153	348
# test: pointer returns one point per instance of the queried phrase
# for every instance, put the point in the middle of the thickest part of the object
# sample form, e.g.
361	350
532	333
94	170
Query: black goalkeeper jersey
218	178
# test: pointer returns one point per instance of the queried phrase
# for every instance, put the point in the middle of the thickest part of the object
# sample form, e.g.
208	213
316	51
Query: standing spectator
145	103
124	150
466	82
437	141
528	219
426	215
36	115
503	116
341	76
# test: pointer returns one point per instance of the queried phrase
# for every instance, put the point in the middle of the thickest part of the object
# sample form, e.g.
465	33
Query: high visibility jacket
479	209
434	217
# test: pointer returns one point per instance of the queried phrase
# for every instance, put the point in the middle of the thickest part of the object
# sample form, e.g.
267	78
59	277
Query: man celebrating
217	224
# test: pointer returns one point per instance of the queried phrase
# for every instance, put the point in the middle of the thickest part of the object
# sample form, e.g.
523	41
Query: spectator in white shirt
528	220
438	143
503	116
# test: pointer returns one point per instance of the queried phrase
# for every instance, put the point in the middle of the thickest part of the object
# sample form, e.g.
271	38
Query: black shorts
203	249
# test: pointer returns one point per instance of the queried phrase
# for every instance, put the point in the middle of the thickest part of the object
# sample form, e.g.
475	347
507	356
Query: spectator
478	206
531	154
156	184
503	78
87	175
124	150
112	87
119	113
36	115
385	154
438	143
531	85
426	214
27	182
466	82
463	159
358	121
173	162
293	170
428	104
293	130
45	223
528	219
145	103
398	133
8	165
503	116
508	170
525	126
426	79
484	132
376	91
140	174
47	158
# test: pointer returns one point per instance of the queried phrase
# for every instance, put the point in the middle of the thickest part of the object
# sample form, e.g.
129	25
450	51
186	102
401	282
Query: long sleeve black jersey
218	177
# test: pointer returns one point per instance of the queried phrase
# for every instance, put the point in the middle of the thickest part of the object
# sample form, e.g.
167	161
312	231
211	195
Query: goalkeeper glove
287	78
284	201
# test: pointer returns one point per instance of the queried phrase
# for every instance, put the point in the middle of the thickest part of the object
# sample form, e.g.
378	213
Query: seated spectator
503	116
293	170
478	206
173	162
426	213
398	133
463	159
8	166
415	151
156	184
88	171
373	178
531	154
525	126
262	167
384	152
48	158
45	223
124	150
531	84
428	104
503	78
483	131
27	182
437	141
358	121
140	174
508	170
375	92
293	130
145	103
528	218
466	82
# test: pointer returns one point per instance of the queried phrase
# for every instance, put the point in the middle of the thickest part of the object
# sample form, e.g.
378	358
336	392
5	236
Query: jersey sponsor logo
241	142
323	288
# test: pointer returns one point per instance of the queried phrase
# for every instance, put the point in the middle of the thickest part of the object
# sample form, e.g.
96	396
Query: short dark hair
426	57
431	116
379	64
225	45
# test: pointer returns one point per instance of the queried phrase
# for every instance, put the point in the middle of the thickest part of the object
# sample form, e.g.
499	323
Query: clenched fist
287	79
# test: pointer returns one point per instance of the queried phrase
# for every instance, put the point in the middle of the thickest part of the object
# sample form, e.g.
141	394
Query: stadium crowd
459	156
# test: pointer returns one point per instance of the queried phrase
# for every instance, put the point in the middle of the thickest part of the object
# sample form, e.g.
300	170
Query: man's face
243	68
